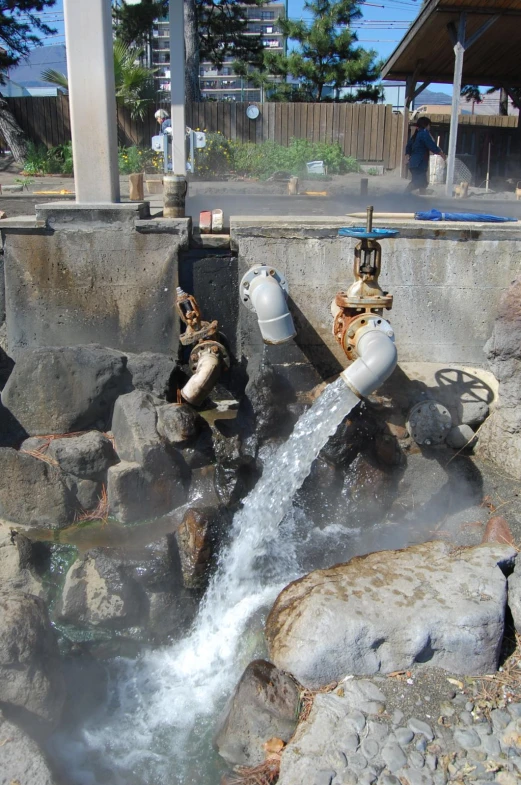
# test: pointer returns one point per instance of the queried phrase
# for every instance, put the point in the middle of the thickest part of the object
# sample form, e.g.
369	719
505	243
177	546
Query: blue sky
383	25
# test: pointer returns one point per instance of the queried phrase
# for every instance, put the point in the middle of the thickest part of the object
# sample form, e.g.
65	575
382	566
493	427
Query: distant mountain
28	72
432	98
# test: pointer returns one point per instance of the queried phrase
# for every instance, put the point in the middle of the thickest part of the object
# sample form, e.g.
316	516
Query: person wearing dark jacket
418	149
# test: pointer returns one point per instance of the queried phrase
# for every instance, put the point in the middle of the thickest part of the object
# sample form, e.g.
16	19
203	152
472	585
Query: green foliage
133	160
134	82
373	172
56	160
133	21
222	156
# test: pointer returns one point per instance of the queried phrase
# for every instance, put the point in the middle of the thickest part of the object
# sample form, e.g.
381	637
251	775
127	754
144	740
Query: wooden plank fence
367	132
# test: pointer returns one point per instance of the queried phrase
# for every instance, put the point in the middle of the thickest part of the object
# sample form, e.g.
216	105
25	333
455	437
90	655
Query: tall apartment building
222	84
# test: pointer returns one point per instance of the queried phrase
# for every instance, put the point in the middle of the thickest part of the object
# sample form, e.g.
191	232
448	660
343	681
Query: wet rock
87	493
137	492
461	436
263	706
21	759
202	487
30	673
134	427
64	389
196	538
21	562
388	610
178	423
345	444
387	450
498	530
6	366
152	372
500	436
87	456
199	453
33	492
264	408
97	593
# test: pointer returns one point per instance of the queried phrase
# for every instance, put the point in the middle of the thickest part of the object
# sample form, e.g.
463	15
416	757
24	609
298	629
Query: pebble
388	779
397	717
469	706
350	742
467	738
404	736
357	762
421	744
431	761
377	730
500	719
357	720
416	777
514	709
418	726
416	760
491	745
393	756
370	748
466	718
324	777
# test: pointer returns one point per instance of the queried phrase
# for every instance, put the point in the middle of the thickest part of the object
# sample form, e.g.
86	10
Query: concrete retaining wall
446	281
78	275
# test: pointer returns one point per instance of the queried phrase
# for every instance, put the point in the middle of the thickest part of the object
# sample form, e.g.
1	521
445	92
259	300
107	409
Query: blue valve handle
361	232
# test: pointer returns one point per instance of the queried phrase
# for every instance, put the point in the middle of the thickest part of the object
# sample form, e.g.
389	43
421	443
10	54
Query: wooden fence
367	132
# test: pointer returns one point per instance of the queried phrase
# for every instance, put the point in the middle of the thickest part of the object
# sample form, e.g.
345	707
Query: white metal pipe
92	100
177	85
269	300
203	380
377	358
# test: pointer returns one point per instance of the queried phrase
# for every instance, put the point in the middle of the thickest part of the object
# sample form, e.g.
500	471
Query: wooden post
459	53
137	193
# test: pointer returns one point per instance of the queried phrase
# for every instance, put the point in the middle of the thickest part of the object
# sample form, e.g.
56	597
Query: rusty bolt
246	285
272	272
215	349
350	333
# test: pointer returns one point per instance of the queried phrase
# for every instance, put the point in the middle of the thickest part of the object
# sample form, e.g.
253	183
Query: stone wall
446	280
78	275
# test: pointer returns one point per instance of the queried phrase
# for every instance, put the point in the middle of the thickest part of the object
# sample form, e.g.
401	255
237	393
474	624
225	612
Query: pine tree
327	53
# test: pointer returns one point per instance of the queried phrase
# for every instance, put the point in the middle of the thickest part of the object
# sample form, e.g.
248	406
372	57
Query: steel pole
459	53
177	86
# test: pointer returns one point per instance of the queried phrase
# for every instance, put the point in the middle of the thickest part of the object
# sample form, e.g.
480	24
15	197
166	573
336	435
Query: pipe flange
353	330
429	422
253	273
190	336
205	347
343	300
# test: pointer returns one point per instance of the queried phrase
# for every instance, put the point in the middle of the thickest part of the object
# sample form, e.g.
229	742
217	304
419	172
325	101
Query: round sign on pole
252	112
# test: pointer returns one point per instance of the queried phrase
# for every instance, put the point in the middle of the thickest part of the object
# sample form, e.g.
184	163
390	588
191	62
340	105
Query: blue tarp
435	215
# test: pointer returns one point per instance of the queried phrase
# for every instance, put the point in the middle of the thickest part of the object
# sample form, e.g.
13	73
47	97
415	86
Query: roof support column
92	100
459	53
177	86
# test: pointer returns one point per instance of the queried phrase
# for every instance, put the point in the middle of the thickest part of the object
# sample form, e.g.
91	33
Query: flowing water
156	725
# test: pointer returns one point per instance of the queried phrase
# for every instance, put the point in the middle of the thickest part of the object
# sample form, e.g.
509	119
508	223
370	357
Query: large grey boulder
97	593
33	492
514	596
264	705
152	372
134	427
21	561
500	436
21	759
426	604
65	389
30	670
87	456
178	423
137	492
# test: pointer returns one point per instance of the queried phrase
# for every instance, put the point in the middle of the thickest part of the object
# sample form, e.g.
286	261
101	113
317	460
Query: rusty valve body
364	298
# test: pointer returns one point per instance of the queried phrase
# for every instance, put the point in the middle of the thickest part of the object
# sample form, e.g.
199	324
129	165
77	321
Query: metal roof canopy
463	42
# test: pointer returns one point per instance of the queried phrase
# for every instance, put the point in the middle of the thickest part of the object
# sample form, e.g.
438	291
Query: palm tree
134	82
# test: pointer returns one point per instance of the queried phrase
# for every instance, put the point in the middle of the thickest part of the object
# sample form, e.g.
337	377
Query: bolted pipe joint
207	360
264	291
377	357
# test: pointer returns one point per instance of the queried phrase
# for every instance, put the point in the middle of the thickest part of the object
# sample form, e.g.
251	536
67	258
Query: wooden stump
137	193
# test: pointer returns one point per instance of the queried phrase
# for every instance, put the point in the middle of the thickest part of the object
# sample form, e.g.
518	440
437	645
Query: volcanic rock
87	456
21	759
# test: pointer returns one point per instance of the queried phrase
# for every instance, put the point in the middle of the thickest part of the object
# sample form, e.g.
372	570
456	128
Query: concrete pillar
92	100
177	86
459	53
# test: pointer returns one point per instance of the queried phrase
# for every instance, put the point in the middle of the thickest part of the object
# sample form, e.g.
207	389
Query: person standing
418	149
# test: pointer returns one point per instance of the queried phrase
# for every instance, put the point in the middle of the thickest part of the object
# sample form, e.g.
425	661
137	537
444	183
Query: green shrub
216	158
139	159
262	160
56	160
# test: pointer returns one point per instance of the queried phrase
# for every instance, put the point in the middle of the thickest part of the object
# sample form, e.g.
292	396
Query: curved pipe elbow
275	320
377	358
203	380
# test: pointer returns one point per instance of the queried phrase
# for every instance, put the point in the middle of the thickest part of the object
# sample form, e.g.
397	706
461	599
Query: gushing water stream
157	723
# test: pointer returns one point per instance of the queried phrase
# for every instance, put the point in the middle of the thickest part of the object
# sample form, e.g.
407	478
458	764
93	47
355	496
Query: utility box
199	139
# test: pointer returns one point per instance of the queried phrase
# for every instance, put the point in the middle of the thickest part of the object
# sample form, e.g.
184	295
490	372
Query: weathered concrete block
388	610
30	673
33	492
64	389
103	276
